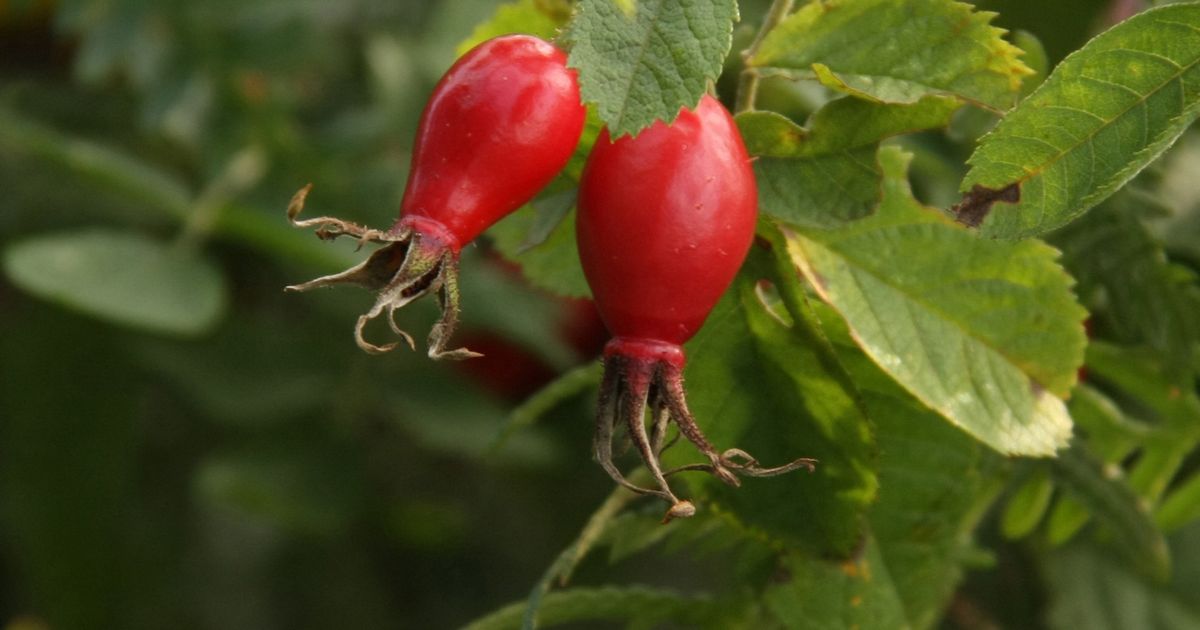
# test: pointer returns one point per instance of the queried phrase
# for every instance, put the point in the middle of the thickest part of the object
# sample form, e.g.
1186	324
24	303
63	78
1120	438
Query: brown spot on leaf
977	203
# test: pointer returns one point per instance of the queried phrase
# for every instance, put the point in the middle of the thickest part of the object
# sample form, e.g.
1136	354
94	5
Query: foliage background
234	461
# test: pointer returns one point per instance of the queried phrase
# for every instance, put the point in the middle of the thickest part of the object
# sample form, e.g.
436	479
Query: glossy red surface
499	126
665	221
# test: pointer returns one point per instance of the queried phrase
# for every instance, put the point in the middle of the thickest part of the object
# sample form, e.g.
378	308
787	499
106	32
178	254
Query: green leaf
1088	588
985	332
552	264
1124	271
1034	56
644	65
935	485
107	167
1141	375
897	52
758	384
1105	113
1182	505
122	278
1107	496
826	174
522	16
857	593
1066	520
612	604
1110	433
1028	505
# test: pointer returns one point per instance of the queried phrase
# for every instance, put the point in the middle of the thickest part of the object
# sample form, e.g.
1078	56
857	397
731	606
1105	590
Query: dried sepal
631	386
409	265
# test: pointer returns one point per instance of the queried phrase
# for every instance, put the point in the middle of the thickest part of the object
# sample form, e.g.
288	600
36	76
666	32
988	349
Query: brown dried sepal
407	266
630	386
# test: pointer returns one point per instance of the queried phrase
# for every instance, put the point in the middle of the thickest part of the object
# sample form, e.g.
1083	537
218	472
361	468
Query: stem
564	565
242	172
748	81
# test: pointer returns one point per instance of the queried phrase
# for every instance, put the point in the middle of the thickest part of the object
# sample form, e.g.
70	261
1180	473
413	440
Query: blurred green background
182	445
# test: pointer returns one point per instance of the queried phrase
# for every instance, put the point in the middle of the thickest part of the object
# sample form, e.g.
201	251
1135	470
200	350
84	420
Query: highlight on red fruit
665	221
500	124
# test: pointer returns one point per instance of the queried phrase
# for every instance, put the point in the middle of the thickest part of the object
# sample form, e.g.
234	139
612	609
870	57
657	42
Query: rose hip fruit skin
500	124
665	221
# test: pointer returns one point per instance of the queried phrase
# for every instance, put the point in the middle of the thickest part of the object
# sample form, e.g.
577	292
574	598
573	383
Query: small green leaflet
985	332
897	52
121	277
642	61
1106	112
826	174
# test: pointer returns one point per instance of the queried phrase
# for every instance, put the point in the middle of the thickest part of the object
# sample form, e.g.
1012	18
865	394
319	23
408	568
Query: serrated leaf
1034	57
936	483
985	332
1106	112
644	65
522	16
757	384
826	174
897	52
121	277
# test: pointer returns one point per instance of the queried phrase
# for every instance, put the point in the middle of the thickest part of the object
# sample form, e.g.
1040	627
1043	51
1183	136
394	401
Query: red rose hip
665	220
500	124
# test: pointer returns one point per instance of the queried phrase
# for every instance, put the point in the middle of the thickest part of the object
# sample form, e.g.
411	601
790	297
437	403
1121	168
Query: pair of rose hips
665	219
